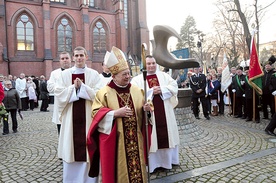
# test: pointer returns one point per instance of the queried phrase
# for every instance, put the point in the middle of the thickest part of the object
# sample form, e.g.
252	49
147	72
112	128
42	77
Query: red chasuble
79	125
159	114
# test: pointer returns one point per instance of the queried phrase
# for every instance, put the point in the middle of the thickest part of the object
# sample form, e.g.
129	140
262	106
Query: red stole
102	146
79	125
160	116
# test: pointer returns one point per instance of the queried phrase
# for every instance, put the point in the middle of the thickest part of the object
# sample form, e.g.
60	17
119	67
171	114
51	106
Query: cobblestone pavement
223	149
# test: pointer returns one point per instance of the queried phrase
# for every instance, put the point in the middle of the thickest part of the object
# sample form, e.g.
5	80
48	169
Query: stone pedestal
188	130
183	112
184	97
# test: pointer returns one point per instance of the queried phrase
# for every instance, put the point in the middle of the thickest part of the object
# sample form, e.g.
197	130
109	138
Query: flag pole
229	102
143	56
254	103
274	103
234	103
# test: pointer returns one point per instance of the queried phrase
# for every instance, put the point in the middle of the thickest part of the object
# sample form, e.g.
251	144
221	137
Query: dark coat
44	94
248	90
198	83
272	84
236	84
266	81
37	89
12	99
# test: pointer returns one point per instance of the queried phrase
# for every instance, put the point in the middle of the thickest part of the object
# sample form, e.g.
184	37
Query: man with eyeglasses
65	63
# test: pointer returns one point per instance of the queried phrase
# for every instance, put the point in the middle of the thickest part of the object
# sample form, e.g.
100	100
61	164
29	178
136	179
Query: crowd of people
243	101
21	94
101	117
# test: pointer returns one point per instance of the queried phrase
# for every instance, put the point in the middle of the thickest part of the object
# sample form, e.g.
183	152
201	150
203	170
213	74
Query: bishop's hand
123	112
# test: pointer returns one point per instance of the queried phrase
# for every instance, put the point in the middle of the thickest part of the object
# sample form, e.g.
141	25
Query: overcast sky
174	12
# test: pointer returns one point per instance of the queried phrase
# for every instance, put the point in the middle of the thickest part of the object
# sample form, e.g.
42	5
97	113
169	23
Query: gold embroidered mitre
116	61
107	54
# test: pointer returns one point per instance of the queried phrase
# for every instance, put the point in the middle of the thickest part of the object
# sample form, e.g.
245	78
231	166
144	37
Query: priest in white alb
162	89
75	91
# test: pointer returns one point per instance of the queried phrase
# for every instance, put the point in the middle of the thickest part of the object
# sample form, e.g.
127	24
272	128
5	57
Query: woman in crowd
12	103
213	91
31	92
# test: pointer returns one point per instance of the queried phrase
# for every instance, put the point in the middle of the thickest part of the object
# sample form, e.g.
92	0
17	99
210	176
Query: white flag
226	79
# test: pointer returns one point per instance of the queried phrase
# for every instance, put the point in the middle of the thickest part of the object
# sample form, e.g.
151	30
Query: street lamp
213	61
199	45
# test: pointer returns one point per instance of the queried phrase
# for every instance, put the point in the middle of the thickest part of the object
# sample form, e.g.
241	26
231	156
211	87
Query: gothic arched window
125	13
64	35
91	3
60	1
99	38
25	33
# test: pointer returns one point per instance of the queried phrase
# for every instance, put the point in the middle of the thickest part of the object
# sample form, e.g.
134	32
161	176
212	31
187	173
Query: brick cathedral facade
34	32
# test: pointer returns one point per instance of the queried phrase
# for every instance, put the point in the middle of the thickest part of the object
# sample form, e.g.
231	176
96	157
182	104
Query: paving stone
31	154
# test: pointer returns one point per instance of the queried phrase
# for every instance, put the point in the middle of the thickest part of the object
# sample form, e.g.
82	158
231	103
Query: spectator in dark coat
238	91
12	103
44	94
267	97
36	81
198	86
272	125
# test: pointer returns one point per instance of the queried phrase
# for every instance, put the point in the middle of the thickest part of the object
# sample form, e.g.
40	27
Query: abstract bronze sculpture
163	57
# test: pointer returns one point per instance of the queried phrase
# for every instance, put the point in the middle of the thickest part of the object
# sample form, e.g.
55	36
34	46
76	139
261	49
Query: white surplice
66	94
55	75
163	157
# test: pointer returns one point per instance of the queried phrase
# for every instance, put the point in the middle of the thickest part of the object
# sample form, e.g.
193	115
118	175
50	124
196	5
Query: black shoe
14	131
207	117
248	119
265	117
257	120
243	117
197	117
238	116
270	133
5	133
